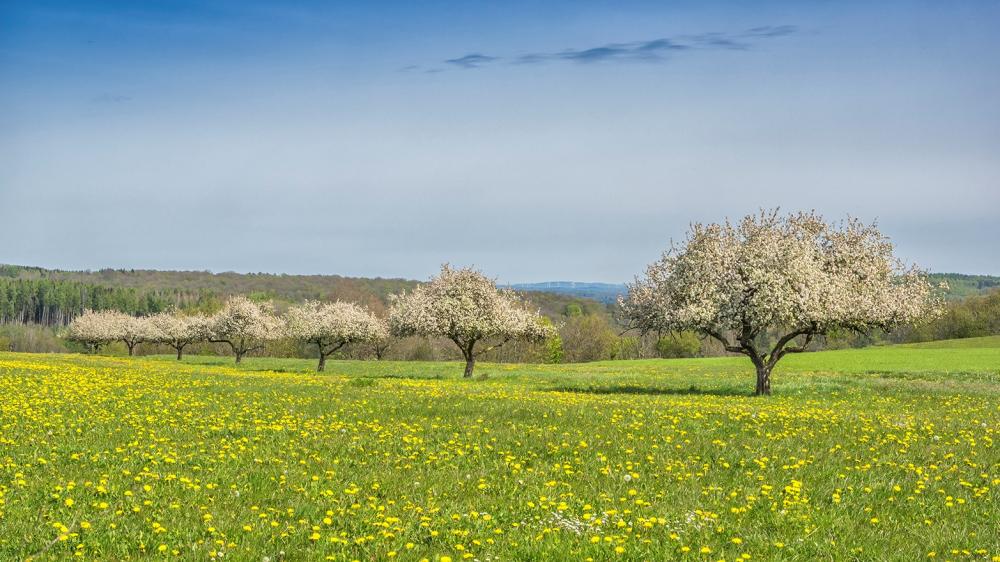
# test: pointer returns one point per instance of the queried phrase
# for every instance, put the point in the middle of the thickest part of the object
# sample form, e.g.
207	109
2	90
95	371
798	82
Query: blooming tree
131	330
93	329
381	346
466	307
178	330
331	326
766	287
245	325
101	328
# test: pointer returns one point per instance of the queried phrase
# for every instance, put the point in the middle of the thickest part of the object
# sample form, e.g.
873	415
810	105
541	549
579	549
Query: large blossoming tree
769	285
466	307
179	330
244	325
331	326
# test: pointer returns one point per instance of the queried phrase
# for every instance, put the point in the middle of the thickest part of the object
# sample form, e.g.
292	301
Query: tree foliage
790	277
179	330
245	325
93	329
331	326
466	307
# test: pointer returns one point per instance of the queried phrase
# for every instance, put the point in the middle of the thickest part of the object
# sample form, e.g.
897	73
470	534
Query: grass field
876	454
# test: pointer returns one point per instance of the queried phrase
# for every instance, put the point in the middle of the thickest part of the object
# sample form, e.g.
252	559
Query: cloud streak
653	50
472	60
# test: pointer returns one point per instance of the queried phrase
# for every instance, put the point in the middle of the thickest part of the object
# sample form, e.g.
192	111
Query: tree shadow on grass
648	390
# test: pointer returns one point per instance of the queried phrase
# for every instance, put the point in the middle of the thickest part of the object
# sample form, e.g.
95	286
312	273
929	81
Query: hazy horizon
500	281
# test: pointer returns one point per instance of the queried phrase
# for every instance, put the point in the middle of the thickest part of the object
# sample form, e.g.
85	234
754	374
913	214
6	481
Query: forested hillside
961	286
35	303
34	295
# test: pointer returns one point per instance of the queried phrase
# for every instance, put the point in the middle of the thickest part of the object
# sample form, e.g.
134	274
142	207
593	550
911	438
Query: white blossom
133	330
245	325
466	307
330	326
101	328
179	330
795	274
93	329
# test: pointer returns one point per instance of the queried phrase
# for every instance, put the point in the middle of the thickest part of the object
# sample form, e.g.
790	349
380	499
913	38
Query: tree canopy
466	307
772	280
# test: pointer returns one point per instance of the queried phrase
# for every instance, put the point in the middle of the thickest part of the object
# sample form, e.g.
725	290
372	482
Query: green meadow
883	453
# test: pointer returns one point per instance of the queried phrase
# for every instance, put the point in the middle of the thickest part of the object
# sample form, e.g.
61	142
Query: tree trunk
131	349
322	362
180	351
470	363
763	381
239	356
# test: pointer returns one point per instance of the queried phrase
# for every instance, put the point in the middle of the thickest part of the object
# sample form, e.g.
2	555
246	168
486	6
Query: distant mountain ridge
606	293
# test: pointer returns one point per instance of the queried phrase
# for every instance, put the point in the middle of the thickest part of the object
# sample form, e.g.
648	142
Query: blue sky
564	140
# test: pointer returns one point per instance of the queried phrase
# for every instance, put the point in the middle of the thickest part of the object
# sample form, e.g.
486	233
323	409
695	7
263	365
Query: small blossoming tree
244	325
331	326
380	347
132	330
178	330
466	307
766	287
93	329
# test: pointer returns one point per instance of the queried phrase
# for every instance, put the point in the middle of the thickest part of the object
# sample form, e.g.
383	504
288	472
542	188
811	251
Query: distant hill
959	286
282	287
606	293
36	295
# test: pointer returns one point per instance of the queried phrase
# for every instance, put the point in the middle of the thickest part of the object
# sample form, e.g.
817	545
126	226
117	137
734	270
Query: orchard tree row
765	287
461	305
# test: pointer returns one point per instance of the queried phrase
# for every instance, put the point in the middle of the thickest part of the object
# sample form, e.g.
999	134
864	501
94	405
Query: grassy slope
875	454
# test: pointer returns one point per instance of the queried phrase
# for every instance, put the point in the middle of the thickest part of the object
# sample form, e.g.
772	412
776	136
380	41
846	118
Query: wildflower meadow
874	454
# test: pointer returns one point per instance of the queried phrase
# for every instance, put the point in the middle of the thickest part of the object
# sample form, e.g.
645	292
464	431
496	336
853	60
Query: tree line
765	287
51	302
460	305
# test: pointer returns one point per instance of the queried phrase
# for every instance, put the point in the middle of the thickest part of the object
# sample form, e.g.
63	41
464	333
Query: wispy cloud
651	50
640	50
771	31
472	60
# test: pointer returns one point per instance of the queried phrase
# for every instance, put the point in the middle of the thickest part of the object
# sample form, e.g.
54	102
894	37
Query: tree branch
326	351
779	350
725	342
492	347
